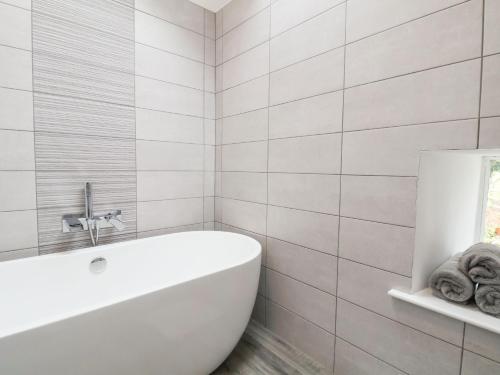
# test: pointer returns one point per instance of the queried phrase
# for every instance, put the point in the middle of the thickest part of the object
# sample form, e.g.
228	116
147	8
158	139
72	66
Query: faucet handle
117	223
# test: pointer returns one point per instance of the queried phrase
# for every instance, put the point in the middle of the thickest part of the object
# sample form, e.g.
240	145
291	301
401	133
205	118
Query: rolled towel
488	299
482	263
448	282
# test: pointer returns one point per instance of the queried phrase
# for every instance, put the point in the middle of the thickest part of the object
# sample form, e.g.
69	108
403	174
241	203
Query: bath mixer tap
90	221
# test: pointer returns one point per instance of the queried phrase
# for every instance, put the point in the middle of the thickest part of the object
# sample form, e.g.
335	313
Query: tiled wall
322	108
115	92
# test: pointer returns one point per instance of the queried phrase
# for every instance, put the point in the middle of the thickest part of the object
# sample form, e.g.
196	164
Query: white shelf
466	313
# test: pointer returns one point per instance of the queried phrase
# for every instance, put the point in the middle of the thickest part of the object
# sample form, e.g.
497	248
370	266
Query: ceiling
213	5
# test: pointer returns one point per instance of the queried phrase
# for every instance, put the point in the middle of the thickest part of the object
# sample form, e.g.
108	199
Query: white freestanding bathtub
170	305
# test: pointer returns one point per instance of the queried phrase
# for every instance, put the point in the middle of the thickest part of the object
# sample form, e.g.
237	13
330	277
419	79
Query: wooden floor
260	352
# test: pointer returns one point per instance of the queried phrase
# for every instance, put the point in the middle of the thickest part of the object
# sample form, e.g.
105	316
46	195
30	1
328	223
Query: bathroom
226	187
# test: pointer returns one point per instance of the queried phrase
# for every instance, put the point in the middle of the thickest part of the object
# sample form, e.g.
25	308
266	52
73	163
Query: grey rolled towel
448	282
482	263
488	299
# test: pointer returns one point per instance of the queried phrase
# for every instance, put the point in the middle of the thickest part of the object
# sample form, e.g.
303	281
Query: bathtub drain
98	265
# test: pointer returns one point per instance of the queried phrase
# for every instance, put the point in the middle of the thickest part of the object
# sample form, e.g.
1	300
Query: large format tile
26	4
310	303
490	95
245	157
163	96
311	154
441	94
317	115
318	75
314	341
389	200
15	27
237	11
16	150
164	126
367	17
16	109
367	286
396	151
247	35
480	341
247	127
473	364
160	185
405	348
165	66
491	27
18	230
17	190
287	14
180	12
351	360
169	156
311	38
309	266
168	213
245	186
157	33
384	246
244	215
417	45
246	97
489	133
15	68
251	64
313	192
314	230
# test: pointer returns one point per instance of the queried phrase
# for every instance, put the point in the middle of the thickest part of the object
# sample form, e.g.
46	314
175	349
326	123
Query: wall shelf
469	314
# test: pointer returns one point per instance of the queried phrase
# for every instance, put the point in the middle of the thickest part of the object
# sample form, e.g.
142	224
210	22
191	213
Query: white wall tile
211	52
245	215
473	364
245	186
15	27
367	17
16	109
287	14
15	68
238	11
26	4
316	36
209	78
396	151
163	126
311	154
445	37
165	66
313	230
209	24
162	96
166	36
489	133
17	150
180	12
480	341
317	115
384	246
446	93
247	35
18	230
17	190
309	266
245	157
249	126
412	351
313	192
169	156
491	27
168	213
389	200
161	185
246	97
318	75
251	64
306	301
490	96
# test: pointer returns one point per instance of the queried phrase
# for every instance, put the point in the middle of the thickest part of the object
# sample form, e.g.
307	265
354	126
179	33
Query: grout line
18	48
174	83
14	5
172	52
299	280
